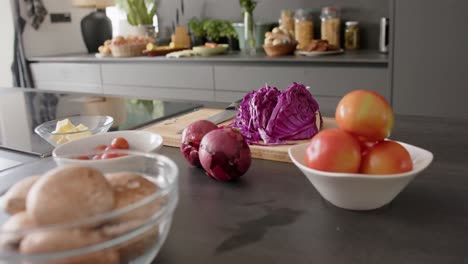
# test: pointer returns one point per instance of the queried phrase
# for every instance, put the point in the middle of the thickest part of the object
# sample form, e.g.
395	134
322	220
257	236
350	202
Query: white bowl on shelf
355	191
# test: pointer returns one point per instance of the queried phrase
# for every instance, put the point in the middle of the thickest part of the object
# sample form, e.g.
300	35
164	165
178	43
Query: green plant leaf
138	11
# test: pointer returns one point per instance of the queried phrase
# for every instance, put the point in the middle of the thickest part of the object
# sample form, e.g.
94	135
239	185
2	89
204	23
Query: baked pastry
320	45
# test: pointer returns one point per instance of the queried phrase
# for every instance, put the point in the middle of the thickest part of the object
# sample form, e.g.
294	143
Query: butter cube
78	135
62	140
64	126
81	127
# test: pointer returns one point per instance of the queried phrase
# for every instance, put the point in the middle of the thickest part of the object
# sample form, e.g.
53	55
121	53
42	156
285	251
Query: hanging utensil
182	7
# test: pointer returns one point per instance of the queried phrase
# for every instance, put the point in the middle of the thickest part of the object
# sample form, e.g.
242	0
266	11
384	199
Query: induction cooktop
21	110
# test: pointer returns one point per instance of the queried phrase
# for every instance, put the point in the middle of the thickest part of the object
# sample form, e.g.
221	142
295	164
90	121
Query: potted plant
197	32
219	31
140	14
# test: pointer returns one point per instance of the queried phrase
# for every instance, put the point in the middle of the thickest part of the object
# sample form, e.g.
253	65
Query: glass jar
287	20
331	23
352	35
304	28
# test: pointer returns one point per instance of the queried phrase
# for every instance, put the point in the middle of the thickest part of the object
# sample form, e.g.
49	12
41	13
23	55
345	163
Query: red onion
191	138
224	154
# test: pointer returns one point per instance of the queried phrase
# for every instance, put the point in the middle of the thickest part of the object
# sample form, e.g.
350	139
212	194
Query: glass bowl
129	232
95	125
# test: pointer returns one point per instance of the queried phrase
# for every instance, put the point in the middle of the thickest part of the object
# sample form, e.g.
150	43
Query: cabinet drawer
69	87
160	93
66	73
328	80
151	75
339	80
248	78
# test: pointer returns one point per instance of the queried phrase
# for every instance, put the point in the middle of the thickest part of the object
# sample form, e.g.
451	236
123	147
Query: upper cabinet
430	67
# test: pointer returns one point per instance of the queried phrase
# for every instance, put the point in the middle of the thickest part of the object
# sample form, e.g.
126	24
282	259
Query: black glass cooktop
22	110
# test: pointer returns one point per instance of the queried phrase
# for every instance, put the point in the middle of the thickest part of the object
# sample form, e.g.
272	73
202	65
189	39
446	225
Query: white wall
65	38
57	38
6	43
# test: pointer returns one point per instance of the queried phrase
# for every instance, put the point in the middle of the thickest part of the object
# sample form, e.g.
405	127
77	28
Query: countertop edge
358	57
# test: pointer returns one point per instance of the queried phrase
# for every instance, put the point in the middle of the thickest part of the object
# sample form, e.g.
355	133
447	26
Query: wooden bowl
280	50
127	50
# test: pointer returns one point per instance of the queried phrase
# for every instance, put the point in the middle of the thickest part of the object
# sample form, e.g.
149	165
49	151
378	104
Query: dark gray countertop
367	57
274	215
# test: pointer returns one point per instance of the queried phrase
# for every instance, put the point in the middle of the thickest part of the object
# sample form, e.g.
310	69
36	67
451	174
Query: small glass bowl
125	236
96	125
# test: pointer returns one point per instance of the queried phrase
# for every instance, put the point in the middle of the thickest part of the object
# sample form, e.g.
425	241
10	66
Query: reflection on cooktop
21	111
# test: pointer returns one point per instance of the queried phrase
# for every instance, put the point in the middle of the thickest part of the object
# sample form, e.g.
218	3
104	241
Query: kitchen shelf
355	57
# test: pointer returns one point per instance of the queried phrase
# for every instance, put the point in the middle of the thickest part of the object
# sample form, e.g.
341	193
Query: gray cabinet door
68	77
430	58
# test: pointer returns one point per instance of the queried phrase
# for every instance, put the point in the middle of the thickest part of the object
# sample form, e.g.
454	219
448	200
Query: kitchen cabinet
215	79
168	75
75	77
164	81
160	93
430	62
328	83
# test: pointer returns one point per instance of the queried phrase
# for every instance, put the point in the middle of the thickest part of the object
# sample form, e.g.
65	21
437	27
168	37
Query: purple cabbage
275	117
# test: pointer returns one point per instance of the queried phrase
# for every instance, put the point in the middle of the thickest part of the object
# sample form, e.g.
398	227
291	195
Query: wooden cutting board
168	130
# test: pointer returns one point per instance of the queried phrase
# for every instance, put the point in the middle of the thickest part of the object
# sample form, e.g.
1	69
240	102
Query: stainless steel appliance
384	39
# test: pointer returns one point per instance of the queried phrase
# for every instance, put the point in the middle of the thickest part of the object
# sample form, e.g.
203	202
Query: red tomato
366	114
334	150
110	155
386	157
97	157
110	148
365	145
120	143
211	45
100	148
82	158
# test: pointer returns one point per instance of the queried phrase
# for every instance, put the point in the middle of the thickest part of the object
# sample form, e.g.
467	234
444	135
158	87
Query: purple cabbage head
274	117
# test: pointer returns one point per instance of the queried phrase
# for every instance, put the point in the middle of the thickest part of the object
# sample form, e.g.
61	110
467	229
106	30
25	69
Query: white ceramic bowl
140	141
207	51
360	191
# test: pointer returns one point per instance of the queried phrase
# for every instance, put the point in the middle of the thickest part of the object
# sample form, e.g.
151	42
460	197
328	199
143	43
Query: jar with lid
304	28
351	35
287	20
331	25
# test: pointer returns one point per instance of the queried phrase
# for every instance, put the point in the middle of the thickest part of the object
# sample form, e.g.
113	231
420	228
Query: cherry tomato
100	148
120	143
82	158
366	114
386	157
334	150
110	148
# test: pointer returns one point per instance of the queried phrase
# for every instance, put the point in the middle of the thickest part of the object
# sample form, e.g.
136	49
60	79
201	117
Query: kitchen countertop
362	57
274	215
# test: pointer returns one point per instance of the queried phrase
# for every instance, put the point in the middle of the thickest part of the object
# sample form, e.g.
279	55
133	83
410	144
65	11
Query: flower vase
249	34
